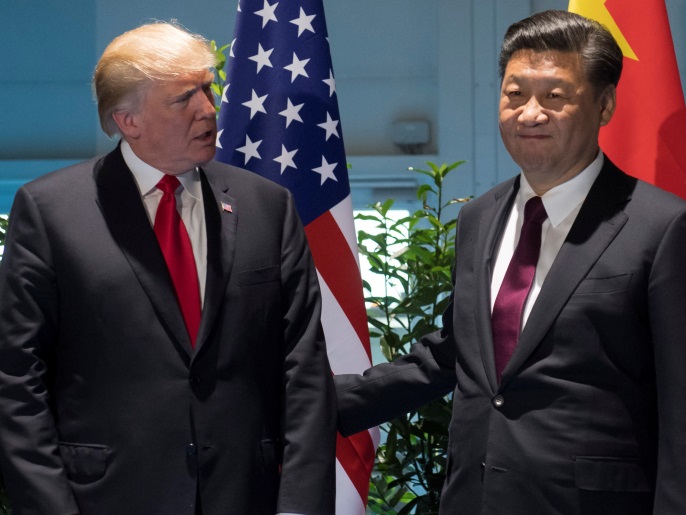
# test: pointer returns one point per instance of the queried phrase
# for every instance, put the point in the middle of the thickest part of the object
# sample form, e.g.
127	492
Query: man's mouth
209	135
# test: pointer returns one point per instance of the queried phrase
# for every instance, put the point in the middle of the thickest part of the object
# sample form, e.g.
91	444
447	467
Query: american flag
279	118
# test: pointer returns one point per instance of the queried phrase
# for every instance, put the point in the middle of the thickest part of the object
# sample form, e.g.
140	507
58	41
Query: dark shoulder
652	204
67	175
644	199
64	186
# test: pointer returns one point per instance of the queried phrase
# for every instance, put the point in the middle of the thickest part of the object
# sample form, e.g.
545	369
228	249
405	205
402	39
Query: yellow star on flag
596	10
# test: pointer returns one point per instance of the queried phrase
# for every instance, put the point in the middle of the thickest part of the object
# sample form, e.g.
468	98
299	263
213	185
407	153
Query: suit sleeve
389	390
309	405
29	306
667	312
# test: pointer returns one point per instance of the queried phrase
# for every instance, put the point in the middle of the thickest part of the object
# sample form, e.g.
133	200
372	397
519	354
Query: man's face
174	128
550	116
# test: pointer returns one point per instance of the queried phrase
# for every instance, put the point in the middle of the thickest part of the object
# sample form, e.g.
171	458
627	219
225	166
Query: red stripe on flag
356	454
337	265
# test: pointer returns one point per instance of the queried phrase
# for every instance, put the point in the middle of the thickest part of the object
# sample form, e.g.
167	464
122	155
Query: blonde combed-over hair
139	58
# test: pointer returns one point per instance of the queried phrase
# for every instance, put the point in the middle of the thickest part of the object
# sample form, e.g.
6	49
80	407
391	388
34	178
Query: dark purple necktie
509	304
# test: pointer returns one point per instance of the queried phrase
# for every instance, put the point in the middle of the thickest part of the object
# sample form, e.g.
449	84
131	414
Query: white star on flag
329	126
250	149
297	67
292	112
262	58
304	22
326	170
267	13
256	104
225	99
286	158
331	82
218	143
233	43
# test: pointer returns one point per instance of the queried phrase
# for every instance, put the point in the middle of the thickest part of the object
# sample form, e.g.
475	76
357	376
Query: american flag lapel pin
227	207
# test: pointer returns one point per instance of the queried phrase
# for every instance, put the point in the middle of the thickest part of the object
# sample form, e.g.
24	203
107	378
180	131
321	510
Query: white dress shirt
189	198
562	203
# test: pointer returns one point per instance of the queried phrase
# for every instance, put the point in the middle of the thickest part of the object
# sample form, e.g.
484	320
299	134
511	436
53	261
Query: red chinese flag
647	135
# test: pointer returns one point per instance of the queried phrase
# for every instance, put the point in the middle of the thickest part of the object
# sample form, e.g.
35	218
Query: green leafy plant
219	73
414	255
3	230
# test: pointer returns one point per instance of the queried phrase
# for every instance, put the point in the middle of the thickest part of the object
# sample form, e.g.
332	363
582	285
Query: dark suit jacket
106	408
589	415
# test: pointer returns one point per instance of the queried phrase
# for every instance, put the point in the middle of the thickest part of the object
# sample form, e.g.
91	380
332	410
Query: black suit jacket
106	408
588	417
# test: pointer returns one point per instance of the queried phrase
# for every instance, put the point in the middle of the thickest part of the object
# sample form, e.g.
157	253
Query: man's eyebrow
192	90
551	81
186	93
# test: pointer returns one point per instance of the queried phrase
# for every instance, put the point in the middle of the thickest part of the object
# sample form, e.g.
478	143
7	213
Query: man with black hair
564	344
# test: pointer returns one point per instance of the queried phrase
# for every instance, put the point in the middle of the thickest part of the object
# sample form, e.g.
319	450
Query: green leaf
385	206
423	190
415	256
363	216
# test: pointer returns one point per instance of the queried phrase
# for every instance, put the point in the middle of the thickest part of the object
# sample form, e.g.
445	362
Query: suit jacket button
498	401
191	449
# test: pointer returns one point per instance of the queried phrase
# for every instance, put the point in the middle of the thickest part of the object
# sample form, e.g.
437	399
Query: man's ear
127	123
608	102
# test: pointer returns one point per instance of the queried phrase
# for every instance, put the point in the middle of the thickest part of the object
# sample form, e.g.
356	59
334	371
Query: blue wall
48	51
431	60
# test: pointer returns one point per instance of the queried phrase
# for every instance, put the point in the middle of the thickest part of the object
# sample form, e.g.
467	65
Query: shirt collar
147	176
561	200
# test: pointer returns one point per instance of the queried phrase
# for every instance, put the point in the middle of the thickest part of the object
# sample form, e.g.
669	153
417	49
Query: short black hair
564	31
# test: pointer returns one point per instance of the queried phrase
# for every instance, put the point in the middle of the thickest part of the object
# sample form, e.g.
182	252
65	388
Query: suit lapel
120	202
599	221
497	212
221	220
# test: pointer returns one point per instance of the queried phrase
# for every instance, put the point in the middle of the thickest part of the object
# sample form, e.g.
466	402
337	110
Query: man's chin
209	155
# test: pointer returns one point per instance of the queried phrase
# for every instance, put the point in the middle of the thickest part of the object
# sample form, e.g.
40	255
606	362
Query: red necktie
178	253
509	304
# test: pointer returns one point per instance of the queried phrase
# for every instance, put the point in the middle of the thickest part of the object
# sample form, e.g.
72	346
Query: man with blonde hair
160	344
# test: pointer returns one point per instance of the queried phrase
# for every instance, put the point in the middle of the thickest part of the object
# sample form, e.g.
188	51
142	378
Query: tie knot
168	184
534	211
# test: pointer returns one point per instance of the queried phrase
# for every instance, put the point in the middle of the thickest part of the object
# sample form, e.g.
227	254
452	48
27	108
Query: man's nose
532	112
205	105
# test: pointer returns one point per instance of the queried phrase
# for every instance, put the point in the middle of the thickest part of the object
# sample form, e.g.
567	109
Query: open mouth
205	136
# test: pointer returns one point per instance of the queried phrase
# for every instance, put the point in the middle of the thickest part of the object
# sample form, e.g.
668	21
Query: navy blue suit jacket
588	417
